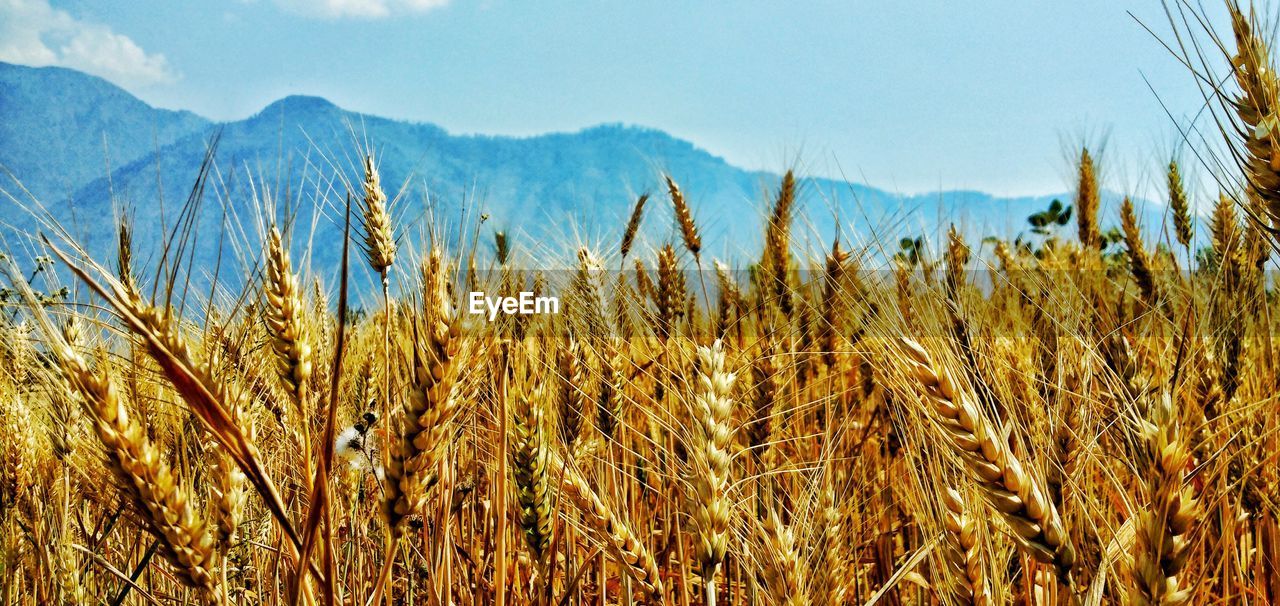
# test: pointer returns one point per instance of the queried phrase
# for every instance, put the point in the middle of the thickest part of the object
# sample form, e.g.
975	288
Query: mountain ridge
560	189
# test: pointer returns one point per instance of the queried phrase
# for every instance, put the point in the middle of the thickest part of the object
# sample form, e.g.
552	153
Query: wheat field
1081	417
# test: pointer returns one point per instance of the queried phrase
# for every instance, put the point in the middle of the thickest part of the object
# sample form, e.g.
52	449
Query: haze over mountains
86	148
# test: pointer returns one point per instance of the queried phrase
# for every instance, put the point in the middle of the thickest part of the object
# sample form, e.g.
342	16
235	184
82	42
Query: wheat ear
764	393
379	239
609	402
633	226
143	475
1180	205
572	399
828	585
530	458
780	563
284	309
1088	199
829	329
1005	484
684	218
429	410
1257	108
625	546
1139	262
709	460
777	243
963	552
669	295
1161	545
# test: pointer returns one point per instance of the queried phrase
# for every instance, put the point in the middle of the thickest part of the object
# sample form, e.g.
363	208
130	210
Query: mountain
550	191
62	128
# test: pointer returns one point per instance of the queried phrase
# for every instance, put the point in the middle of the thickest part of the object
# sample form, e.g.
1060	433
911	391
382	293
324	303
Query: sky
907	96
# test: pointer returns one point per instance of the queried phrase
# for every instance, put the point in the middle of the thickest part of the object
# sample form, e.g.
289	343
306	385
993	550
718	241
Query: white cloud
34	33
366	9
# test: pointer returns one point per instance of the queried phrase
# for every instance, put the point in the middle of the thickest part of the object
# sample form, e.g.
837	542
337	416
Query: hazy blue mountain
62	128
550	191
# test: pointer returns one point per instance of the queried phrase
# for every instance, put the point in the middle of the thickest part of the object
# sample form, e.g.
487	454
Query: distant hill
62	129
550	191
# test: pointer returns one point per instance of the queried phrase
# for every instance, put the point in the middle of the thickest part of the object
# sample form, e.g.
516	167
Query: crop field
1085	415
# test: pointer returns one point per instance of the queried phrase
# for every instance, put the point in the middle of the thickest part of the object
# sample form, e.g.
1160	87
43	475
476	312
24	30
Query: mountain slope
62	128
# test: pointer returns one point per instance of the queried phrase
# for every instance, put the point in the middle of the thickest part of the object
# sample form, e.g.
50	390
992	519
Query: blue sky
909	96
